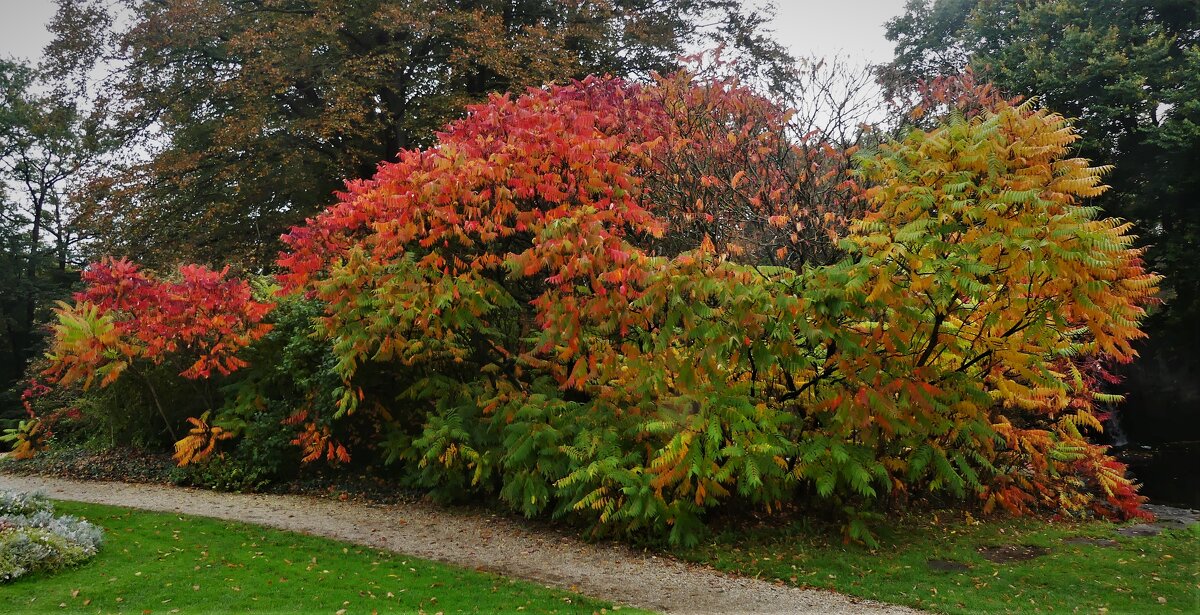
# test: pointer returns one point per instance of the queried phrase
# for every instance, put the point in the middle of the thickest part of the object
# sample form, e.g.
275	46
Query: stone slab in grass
1004	554
946	565
1092	542
1141	529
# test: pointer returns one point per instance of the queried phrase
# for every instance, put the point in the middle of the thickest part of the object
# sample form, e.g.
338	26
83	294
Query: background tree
13	328
1129	70
250	113
44	145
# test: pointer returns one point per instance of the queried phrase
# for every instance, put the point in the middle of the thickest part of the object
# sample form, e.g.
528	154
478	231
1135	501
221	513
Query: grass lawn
168	563
1159	574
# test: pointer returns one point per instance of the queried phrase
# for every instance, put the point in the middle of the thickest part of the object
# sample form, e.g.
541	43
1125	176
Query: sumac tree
127	321
586	296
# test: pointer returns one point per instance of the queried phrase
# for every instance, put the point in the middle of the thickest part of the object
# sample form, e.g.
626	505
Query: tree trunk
35	239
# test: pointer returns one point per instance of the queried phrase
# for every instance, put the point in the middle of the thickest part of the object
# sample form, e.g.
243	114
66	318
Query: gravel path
482	542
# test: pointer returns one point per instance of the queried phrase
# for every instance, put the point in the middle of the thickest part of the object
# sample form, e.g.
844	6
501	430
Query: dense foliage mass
631	303
158	330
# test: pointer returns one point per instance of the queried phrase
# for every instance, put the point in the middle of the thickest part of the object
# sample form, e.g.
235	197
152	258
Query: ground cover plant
939	562
628	304
175	563
34	540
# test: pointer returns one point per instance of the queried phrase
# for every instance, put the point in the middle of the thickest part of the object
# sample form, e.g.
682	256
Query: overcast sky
808	27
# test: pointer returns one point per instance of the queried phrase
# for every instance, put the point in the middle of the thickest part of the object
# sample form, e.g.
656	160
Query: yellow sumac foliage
26	439
200	440
995	277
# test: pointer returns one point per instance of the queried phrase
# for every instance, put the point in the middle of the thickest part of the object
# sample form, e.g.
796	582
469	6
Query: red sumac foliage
123	314
125	318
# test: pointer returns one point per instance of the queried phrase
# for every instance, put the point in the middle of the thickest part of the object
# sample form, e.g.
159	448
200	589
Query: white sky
23	27
828	27
808	27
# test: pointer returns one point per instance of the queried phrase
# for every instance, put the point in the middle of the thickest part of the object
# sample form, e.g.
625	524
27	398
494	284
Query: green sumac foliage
289	371
605	302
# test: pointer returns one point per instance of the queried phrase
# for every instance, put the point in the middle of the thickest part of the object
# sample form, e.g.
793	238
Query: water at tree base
1168	472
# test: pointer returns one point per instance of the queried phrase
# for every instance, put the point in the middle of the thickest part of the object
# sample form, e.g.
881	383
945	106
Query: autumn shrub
148	349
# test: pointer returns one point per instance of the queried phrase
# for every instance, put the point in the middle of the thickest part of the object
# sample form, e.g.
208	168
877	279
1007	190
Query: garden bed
34	540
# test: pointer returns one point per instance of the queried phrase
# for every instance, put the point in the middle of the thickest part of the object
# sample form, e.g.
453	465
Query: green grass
1158	574
167	563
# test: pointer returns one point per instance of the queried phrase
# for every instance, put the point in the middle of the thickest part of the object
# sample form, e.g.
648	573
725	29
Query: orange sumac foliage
317	443
200	441
616	301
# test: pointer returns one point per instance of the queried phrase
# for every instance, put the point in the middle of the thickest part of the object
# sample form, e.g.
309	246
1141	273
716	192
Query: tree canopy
251	114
